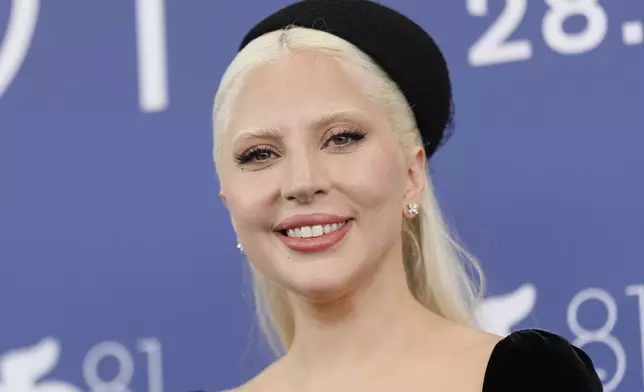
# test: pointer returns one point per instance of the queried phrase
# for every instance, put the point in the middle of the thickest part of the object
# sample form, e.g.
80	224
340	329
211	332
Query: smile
313	231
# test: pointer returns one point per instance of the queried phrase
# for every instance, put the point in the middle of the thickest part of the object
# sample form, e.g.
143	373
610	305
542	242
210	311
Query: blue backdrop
118	267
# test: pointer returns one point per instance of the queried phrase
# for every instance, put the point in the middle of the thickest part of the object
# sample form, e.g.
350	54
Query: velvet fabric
532	360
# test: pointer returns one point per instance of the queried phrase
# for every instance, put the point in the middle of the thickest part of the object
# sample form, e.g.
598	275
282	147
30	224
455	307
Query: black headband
398	45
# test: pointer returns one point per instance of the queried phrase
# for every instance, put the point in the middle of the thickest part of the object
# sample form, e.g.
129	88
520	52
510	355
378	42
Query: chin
320	292
325	285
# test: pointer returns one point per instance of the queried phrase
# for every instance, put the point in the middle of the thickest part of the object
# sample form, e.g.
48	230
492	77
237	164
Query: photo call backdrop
118	264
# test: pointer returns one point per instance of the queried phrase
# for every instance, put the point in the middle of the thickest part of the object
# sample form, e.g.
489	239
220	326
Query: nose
305	178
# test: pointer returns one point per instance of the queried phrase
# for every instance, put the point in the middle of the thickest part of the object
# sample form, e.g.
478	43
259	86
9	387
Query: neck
372	325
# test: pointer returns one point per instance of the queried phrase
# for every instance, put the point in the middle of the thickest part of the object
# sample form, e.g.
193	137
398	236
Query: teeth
317	231
313	231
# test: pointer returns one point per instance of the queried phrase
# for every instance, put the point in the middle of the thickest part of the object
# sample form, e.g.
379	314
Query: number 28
494	46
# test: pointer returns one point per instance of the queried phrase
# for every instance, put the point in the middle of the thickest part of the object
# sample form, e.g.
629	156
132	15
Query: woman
323	125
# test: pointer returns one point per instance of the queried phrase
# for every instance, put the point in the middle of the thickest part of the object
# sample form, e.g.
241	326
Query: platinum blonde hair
437	267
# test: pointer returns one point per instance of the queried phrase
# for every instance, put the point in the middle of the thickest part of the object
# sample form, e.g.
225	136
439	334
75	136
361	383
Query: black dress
534	360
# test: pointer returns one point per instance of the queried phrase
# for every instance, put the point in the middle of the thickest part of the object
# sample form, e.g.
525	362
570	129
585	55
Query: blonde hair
436	265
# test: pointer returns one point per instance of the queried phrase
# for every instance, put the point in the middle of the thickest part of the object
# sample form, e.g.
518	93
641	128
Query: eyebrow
323	119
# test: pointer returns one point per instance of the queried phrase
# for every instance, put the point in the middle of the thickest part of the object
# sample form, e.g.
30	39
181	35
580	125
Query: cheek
374	179
248	197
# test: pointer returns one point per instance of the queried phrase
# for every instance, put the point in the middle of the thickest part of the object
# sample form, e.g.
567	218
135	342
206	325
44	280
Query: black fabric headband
398	45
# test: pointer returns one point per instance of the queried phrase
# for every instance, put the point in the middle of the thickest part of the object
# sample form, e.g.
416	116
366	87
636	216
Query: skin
357	325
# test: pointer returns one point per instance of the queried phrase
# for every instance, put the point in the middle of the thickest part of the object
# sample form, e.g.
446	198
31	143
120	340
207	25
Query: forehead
295	88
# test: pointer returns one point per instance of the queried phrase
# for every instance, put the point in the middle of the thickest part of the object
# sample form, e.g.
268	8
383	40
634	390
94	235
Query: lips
310	220
313	233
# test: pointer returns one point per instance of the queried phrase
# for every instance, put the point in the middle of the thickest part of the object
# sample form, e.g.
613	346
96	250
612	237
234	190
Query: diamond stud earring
240	247
412	209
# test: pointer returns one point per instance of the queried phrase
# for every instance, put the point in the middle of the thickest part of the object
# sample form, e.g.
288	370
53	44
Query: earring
412	209
240	247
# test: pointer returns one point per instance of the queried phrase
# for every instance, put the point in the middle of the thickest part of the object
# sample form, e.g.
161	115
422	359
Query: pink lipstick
314	232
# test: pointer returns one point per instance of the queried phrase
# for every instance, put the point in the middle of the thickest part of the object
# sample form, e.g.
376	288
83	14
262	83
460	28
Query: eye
344	138
256	155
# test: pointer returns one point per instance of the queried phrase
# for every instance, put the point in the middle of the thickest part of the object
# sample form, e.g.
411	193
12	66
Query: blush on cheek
248	216
374	179
248	206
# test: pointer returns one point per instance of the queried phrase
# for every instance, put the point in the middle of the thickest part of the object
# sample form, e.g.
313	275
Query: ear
223	198
415	176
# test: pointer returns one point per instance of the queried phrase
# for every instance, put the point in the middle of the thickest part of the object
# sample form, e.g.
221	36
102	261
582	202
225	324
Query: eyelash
250	154
352	134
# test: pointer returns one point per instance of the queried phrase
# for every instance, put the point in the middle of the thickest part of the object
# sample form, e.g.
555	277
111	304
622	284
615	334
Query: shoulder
268	379
538	360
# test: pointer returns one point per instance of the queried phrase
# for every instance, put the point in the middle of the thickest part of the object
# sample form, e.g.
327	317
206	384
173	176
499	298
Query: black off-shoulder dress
534	360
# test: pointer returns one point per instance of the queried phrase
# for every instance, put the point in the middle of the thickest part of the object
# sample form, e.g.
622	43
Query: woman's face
313	177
